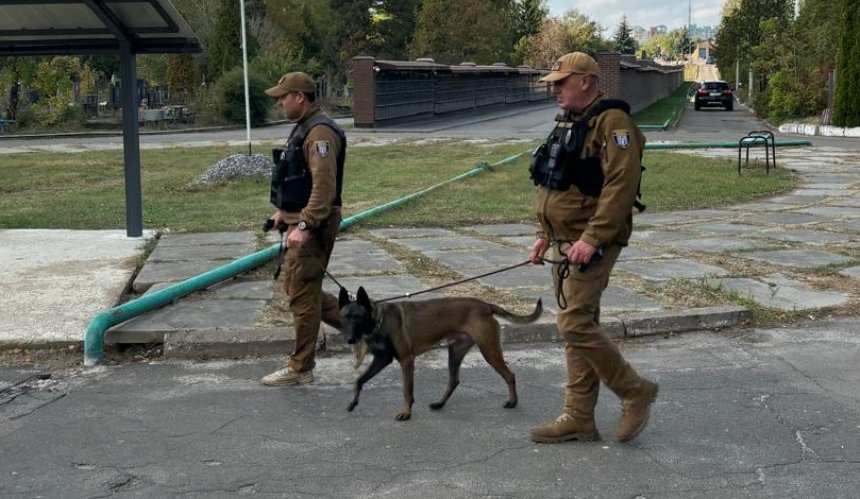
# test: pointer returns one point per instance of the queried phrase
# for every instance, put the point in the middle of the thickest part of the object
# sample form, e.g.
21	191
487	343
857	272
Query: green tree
846	107
574	31
528	17
393	26
225	50
453	32
623	39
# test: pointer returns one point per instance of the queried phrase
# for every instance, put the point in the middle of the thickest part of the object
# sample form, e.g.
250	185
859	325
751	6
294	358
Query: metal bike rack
757	137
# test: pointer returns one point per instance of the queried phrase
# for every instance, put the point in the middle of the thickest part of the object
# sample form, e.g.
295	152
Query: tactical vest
291	179
557	163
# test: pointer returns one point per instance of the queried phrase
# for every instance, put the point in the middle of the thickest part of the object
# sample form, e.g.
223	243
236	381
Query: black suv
714	93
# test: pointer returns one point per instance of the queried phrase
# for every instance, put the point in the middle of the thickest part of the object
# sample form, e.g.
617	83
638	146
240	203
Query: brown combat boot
635	412
565	428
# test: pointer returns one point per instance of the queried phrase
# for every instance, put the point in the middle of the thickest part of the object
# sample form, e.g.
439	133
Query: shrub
230	95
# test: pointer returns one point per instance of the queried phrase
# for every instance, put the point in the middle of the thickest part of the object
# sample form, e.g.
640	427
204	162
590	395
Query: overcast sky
672	13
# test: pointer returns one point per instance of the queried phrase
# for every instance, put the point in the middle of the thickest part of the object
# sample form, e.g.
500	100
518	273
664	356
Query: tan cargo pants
591	356
304	270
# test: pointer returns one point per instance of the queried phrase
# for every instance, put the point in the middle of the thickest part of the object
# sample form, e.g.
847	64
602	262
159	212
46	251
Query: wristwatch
303	225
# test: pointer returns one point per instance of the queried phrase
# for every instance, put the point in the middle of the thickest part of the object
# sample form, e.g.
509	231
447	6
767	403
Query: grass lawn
660	111
85	190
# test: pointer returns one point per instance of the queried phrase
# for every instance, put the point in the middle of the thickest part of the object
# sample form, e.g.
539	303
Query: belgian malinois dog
404	330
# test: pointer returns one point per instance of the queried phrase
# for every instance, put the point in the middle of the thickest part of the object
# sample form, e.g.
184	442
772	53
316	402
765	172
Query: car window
716	85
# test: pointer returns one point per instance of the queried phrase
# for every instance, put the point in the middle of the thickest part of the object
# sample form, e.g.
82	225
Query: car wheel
697	107
730	107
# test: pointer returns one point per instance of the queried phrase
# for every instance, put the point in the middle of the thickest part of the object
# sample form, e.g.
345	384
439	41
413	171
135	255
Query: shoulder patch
621	138
322	148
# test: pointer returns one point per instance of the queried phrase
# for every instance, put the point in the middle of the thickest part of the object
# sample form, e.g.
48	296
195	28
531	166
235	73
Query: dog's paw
437	405
403	416
510	404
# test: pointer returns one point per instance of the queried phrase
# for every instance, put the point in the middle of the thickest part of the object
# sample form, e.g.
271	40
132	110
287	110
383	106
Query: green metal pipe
101	322
722	145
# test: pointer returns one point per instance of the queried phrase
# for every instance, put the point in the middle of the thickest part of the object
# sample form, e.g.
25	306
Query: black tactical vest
557	163
291	179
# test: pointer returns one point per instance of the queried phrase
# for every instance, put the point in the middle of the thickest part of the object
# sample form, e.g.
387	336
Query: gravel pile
235	166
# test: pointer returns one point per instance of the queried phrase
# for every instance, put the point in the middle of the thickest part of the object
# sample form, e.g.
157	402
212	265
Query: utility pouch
536	166
588	176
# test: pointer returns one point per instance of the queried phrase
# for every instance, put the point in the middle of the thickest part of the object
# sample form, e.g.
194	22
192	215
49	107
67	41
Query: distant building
640	34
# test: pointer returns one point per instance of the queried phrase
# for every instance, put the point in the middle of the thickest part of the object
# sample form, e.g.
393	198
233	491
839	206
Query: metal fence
404	93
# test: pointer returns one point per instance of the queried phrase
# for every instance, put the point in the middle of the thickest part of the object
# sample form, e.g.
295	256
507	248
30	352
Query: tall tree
623	39
846	108
453	32
572	32
225	50
393	26
529	16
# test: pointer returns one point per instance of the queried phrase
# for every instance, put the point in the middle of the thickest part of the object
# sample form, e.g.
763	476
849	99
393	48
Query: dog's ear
362	298
343	298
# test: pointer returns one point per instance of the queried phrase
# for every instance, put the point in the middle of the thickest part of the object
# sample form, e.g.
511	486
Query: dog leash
562	272
461	281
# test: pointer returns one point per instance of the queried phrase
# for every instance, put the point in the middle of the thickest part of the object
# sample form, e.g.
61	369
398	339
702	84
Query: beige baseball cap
293	82
572	63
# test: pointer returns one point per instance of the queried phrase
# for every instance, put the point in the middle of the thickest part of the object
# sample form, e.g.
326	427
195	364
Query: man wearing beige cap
588	173
306	186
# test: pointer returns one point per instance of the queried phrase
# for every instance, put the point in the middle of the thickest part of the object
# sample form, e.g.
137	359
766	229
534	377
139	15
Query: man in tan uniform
306	188
588	172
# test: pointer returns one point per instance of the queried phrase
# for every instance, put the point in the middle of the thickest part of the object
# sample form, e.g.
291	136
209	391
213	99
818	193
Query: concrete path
795	253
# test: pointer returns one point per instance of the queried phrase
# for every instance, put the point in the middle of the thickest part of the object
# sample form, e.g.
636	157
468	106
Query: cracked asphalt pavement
766	413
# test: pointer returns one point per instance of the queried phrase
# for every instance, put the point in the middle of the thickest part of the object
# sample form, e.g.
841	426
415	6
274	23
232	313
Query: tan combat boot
287	376
565	428
635	412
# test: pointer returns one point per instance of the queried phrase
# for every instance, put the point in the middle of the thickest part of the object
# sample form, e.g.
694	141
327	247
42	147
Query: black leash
461	281
563	271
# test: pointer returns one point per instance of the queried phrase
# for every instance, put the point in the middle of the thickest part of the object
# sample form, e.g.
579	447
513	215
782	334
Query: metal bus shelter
123	27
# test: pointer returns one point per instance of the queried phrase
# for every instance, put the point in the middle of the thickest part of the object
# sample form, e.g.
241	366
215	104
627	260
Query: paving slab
852	202
777	291
424	245
716	244
240	288
785	218
812	237
200	252
188	314
724	228
527	276
634	253
763	206
355	247
364	264
206	238
823	192
172	271
851	226
851	272
658	236
832	212
505	229
800	258
475	262
674	268
405	233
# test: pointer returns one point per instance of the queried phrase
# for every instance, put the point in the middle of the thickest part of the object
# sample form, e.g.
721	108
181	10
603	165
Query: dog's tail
519	319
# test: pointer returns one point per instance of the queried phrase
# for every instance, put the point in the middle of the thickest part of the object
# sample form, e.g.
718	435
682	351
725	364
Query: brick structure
610	73
364	90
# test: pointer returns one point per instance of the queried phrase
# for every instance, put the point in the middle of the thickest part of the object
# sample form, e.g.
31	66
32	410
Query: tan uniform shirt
571	215
321	148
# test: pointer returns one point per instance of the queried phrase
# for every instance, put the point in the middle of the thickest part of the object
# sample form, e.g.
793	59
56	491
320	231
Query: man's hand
297	238
538	249
580	253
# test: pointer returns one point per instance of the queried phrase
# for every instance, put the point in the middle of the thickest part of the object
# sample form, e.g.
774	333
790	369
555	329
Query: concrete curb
221	343
819	130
